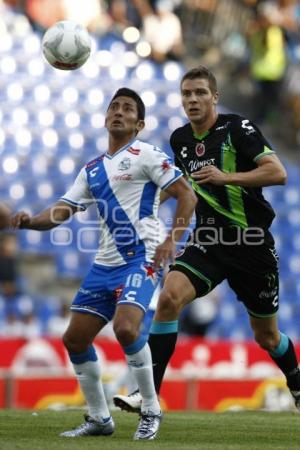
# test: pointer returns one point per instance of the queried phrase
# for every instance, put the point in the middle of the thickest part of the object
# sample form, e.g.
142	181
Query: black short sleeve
247	138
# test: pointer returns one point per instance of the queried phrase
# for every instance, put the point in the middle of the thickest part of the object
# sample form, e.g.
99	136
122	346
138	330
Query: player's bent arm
186	202
45	220
165	196
269	172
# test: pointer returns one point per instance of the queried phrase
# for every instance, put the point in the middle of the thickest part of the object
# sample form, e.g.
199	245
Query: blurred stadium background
51	123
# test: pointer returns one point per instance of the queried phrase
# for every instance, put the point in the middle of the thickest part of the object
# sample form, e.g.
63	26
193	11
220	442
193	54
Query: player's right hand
20	220
164	254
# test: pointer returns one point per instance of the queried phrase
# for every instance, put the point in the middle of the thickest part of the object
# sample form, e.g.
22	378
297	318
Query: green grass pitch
22	430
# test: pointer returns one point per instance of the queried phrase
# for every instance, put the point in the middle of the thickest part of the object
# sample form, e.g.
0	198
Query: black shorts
251	271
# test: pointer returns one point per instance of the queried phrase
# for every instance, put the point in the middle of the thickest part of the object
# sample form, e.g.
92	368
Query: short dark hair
126	92
201	72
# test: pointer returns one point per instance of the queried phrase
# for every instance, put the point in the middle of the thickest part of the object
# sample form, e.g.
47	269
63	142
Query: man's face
122	117
197	100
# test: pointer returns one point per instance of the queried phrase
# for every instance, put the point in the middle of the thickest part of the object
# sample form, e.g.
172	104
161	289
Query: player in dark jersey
228	161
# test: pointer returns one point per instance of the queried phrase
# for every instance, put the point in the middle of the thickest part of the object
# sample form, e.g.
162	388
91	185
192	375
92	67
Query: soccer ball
66	45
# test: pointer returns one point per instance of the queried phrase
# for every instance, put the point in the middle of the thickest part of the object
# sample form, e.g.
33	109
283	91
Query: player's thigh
197	272
140	283
129	316
176	293
94	297
83	328
178	288
258	291
128	319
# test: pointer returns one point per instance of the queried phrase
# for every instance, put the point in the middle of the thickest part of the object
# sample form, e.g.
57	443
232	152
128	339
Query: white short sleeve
79	194
159	167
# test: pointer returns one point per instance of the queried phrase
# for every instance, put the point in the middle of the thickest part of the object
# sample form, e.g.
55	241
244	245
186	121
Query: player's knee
169	305
125	333
73	344
267	340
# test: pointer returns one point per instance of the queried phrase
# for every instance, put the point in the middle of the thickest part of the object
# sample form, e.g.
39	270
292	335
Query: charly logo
124	164
200	149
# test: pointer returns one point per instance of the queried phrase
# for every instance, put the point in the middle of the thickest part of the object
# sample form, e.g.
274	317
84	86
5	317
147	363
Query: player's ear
140	125
215	98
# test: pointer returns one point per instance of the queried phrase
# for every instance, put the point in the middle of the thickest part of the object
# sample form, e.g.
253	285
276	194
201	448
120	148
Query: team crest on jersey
200	149
124	164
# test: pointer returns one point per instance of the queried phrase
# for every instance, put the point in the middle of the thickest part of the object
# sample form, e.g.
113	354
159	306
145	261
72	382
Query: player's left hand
5	216
164	253
210	174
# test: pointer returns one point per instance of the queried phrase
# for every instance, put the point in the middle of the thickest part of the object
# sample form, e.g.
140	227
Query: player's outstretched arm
186	202
5	216
47	219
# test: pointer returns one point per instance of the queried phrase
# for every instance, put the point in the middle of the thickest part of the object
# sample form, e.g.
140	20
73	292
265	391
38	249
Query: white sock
141	367
88	376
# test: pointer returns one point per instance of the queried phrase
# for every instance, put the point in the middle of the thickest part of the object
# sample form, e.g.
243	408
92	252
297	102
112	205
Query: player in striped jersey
125	184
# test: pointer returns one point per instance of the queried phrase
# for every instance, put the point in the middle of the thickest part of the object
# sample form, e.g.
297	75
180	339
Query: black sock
162	347
288	364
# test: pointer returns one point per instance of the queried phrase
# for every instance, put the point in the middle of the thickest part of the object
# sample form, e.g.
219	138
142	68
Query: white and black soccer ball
66	45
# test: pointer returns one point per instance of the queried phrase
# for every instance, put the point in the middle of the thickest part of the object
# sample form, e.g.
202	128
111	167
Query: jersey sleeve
160	168
248	139
79	194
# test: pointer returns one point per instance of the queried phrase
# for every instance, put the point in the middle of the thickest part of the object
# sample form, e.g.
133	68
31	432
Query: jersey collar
201	136
125	147
205	133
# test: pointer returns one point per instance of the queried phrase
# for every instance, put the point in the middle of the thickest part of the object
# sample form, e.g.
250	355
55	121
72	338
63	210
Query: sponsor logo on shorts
90	293
268	294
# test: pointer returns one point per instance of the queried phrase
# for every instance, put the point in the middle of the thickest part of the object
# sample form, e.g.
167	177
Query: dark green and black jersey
233	144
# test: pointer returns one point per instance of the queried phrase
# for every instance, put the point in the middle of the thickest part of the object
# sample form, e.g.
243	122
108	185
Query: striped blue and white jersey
125	188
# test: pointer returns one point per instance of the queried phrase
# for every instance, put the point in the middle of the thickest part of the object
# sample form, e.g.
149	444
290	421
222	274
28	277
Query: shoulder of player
228	121
181	136
93	162
237	125
181	131
147	149
236	121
